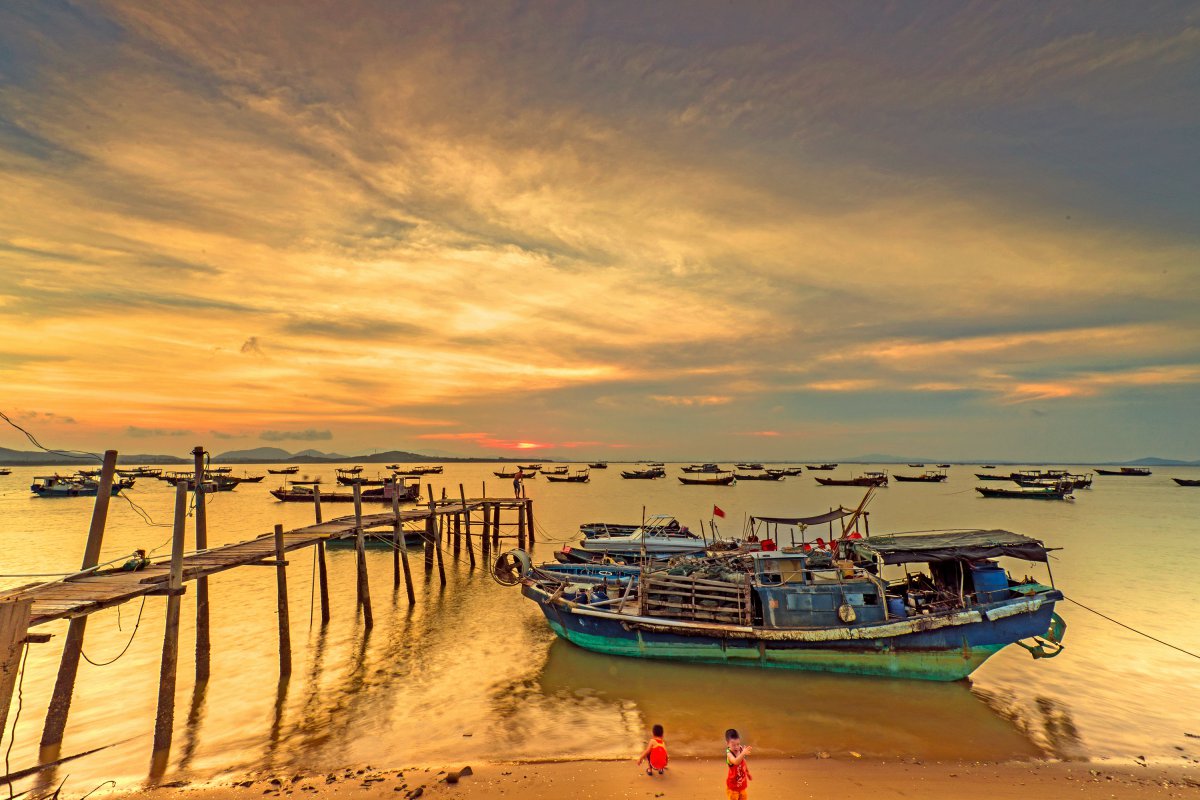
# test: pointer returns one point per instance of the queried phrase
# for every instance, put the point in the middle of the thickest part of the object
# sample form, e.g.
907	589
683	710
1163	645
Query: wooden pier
476	525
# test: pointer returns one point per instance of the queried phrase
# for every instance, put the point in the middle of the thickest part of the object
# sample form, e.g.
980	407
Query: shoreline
799	777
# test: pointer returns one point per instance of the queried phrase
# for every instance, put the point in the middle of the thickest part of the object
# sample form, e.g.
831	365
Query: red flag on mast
717	512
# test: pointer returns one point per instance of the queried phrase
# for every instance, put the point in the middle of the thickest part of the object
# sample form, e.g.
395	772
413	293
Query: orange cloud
691	400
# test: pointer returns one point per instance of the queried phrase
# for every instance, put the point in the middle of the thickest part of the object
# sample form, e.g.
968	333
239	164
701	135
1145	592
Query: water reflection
785	712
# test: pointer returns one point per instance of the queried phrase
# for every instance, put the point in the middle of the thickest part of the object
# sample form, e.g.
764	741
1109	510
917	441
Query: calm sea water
472	671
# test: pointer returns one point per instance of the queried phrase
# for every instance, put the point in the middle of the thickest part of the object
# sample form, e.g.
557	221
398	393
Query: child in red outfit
655	753
737	781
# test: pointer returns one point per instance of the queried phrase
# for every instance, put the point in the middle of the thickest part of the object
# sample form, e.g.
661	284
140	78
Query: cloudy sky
675	230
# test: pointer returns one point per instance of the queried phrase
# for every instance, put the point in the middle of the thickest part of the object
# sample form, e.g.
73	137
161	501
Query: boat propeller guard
511	567
1051	645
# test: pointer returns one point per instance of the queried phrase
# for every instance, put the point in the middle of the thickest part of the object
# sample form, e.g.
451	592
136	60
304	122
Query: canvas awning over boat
926	547
820	519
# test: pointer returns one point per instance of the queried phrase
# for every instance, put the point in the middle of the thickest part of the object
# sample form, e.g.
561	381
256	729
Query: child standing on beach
737	782
655	754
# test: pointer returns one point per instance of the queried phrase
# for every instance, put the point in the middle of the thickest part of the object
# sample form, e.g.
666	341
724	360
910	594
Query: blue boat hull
944	654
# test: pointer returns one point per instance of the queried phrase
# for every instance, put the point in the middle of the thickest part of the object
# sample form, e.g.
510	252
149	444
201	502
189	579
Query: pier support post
164	720
322	569
360	550
440	523
457	534
462	496
430	532
203	639
64	685
485	538
529	520
496	525
521	526
285	628
400	554
14	625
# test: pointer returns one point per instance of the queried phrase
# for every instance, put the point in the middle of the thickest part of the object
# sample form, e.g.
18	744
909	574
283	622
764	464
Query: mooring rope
1133	629
124	649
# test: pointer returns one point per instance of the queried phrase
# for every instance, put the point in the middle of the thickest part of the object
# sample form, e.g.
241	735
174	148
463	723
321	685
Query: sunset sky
606	230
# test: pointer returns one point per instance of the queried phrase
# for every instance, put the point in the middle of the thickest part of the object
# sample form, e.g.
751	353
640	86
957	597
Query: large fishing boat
1059	491
928	476
409	490
578	476
709	479
866	479
661	536
73	486
947	609
1128	472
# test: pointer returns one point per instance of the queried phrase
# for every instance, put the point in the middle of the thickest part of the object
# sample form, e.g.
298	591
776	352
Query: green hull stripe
945	665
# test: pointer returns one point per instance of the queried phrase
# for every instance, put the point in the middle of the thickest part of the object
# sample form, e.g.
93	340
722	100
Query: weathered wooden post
496	524
64	685
360	549
400	554
462	496
458	534
164	720
14	626
430	532
285	630
203	640
322	569
529	520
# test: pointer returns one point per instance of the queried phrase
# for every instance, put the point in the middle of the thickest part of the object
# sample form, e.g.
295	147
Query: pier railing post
322	569
430	533
64	685
400	554
496	524
360	549
485	538
462	496
285	629
521	526
203	639
164	720
433	529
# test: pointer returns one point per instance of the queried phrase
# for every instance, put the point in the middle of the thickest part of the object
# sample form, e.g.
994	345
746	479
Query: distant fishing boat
648	473
822	467
1051	478
527	476
866	479
660	536
352	470
790	472
710	479
559	470
701	468
987	466
302	492
284	471
810	610
943	466
391	466
345	478
73	486
598	465
760	476
929	476
1186	481
1028	492
1127	472
579	476
5	471
252	478
917	466
984	477
531	467
749	467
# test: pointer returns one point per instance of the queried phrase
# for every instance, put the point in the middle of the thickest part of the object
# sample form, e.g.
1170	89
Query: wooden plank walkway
85	594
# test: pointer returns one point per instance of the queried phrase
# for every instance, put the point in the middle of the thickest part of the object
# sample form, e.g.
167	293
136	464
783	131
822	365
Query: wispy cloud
308	435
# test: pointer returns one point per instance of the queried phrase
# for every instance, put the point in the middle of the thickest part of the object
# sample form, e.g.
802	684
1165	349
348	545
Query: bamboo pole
165	717
64	684
360	549
322	568
285	631
203	638
401	551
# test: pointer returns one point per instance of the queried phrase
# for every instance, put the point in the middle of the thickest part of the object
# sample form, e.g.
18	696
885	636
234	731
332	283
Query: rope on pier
17	715
1131	628
124	649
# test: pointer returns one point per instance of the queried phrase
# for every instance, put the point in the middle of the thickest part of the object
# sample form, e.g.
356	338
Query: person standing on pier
519	484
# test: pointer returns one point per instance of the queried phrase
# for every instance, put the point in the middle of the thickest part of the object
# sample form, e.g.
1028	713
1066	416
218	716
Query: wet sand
702	778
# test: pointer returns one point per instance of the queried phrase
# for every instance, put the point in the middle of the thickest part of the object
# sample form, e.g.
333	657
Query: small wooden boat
711	479
220	470
559	470
531	467
984	477
943	466
1125	472
822	467
790	472
987	466
420	470
525	476
284	471
5	471
1187	481
579	476
351	470
866	479
252	478
391	466
701	468
1028	492
929	476
350	480
759	476
598	465
749	467
917	466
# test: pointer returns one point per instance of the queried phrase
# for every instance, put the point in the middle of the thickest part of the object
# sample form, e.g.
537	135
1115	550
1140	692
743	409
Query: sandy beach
702	778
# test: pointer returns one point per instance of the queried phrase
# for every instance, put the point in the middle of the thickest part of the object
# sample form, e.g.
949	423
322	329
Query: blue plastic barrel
896	608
